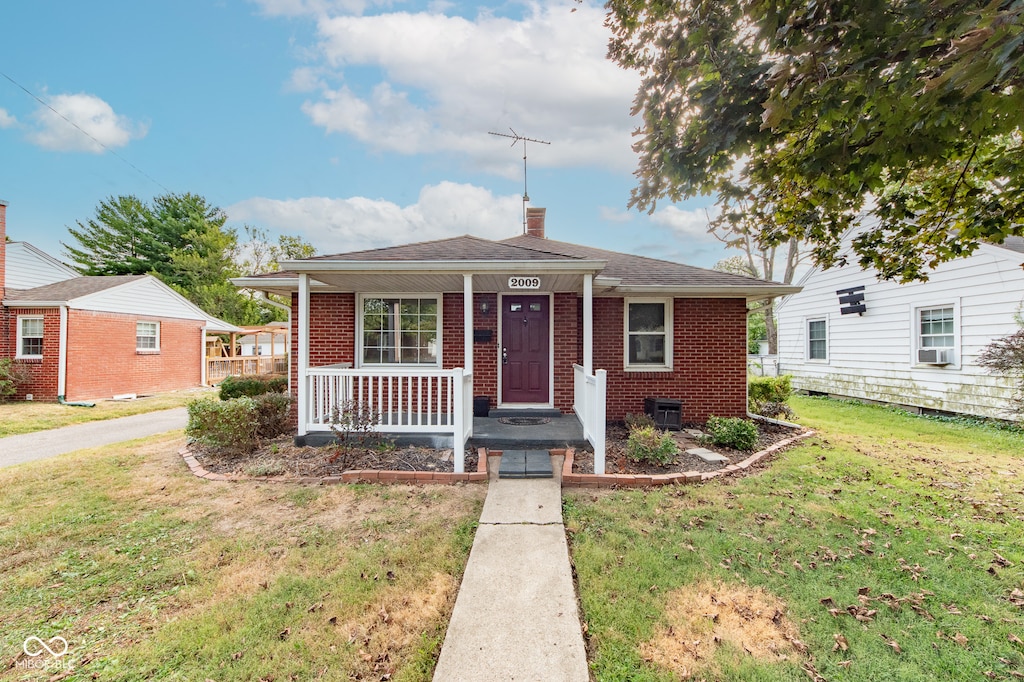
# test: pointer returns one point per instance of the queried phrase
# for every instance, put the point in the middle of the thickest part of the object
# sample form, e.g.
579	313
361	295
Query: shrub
647	444
236	387
227	427
11	375
353	424
732	432
272	414
635	421
768	395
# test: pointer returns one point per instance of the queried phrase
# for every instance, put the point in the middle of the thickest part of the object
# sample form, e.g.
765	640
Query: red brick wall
103	361
567	350
41	379
332	335
709	359
485	354
709	350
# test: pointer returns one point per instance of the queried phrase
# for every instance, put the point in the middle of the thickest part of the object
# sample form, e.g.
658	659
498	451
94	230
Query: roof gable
28	267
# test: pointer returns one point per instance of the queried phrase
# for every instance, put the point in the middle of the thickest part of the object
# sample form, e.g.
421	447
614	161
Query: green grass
879	499
150	573
29	416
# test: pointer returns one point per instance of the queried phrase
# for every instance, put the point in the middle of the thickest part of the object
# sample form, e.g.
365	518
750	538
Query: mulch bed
616	461
281	457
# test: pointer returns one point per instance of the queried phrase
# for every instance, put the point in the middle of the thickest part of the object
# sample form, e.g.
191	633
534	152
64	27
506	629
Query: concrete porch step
525	464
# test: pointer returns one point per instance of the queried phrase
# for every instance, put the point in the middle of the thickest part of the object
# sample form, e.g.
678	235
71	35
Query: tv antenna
516	138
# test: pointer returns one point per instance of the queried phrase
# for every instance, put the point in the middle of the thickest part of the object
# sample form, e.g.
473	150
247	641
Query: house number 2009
524	282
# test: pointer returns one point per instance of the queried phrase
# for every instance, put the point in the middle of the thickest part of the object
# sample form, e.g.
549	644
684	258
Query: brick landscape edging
569	479
355	476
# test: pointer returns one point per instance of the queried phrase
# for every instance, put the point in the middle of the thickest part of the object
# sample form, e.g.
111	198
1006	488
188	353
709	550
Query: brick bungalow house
81	337
416	332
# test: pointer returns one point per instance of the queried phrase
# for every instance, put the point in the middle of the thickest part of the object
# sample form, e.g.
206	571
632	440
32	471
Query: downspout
62	361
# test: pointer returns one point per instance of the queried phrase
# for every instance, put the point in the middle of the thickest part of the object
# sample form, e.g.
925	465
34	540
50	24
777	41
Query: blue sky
352	123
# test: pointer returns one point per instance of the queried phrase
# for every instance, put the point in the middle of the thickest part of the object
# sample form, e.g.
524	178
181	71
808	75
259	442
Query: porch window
147	336
30	337
400	331
648	334
817	339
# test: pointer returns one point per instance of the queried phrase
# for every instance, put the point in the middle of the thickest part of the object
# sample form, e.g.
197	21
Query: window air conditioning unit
935	356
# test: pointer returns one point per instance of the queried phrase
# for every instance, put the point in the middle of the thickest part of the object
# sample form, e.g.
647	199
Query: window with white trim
147	336
648	331
30	336
817	339
400	331
937	327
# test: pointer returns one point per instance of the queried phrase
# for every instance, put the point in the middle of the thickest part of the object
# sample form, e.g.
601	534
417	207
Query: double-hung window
648	326
400	331
30	337
937	327
147	336
817	339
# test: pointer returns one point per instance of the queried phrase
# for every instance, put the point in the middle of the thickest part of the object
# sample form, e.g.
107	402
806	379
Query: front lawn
151	573
887	547
20	416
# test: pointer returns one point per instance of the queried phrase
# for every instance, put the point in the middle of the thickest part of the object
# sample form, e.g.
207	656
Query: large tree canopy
182	239
904	116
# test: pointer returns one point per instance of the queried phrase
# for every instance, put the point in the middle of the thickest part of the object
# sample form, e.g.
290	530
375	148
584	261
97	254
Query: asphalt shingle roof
73	288
466	247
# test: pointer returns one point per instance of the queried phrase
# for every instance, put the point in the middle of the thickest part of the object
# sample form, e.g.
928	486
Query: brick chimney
535	222
3	248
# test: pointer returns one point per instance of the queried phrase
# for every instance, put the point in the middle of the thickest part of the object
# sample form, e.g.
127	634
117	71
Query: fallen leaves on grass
704	617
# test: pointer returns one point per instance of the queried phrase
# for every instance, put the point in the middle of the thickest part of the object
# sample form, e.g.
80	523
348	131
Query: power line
86	133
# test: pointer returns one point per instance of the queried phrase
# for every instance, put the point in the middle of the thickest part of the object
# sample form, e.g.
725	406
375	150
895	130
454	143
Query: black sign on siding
851	300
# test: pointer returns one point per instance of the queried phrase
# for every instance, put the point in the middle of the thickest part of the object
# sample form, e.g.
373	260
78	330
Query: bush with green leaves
273	412
635	421
647	444
11	374
236	387
732	432
228	427
767	396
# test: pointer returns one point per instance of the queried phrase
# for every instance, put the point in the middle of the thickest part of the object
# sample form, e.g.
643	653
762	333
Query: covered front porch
435	403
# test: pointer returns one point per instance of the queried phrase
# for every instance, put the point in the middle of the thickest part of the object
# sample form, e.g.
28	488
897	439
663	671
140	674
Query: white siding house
28	267
914	345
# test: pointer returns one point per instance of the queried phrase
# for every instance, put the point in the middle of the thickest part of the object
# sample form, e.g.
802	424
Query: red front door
526	353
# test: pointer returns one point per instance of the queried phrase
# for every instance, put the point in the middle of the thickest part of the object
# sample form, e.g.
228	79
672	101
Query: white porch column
588	324
467	320
302	362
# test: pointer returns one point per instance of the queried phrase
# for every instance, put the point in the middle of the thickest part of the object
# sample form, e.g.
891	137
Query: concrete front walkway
515	617
29	447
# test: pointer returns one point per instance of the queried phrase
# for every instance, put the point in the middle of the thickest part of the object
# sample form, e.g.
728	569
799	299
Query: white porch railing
589	397
403	400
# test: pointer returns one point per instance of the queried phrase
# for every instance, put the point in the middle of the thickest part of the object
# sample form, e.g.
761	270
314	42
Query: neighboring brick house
80	337
415	332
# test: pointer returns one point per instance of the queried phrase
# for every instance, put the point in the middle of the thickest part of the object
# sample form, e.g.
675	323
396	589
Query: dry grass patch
707	620
397	622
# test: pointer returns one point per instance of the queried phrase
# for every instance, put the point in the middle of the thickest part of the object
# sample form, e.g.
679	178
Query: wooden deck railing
218	369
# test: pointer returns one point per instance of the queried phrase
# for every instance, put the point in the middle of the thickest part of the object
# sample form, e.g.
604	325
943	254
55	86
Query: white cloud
89	113
6	120
298	8
614	215
686	224
334	225
440	83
